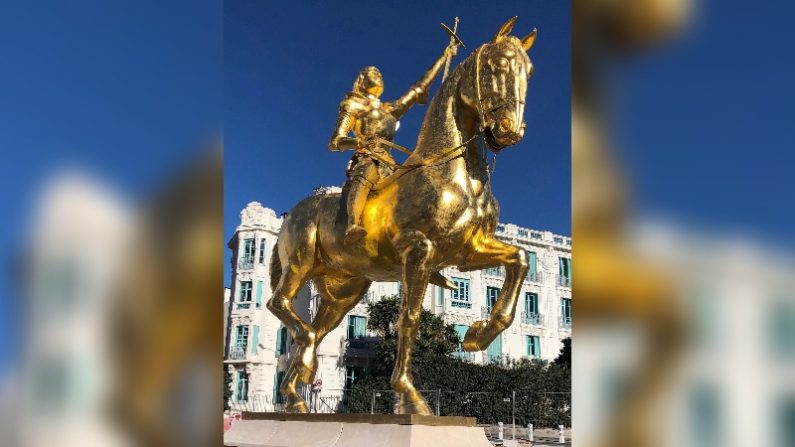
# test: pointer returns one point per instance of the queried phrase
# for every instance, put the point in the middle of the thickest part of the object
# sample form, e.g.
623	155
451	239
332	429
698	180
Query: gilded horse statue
435	212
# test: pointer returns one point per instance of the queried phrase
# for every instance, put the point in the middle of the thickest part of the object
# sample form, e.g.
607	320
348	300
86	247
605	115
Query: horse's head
501	71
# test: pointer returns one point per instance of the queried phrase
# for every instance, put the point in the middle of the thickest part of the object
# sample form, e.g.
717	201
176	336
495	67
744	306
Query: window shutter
361	326
533	261
255	339
259	294
279	342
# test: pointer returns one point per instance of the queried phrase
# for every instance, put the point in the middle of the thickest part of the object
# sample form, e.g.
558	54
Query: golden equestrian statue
436	210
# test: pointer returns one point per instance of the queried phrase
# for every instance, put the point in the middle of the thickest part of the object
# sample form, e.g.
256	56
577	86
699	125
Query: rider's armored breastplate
379	122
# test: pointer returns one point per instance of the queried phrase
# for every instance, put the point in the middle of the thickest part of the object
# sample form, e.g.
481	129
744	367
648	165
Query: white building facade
258	346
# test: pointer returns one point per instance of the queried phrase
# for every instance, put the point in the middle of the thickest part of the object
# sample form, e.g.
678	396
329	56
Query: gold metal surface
436	213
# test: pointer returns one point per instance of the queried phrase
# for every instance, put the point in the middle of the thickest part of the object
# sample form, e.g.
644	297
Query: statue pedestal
354	430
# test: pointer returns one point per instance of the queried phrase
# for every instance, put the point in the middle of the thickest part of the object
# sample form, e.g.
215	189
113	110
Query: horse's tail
276	266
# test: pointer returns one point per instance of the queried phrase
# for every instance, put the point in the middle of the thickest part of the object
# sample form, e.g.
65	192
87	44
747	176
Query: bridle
451	153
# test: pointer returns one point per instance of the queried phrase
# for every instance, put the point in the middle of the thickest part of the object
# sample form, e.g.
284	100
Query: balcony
465	356
460	304
565	322
237	353
564	281
532	318
245	264
368	298
501	359
534	277
484	312
498	272
359	347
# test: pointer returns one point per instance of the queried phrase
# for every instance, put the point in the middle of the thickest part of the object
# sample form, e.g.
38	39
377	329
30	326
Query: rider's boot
357	196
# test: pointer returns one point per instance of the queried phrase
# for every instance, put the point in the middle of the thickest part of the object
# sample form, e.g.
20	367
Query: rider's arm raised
418	93
346	120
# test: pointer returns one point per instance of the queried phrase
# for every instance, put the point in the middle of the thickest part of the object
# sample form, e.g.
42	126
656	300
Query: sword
453	40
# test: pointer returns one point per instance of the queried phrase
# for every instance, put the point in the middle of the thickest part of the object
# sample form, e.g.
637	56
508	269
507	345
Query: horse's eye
501	63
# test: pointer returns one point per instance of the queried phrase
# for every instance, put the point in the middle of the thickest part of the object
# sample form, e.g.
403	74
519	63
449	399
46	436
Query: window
565	312
532	270
461	330
281	341
244	301
241	338
522	232
247	258
492	293
353	374
500	228
557	239
461	296
439	296
533	346
357	327
241	387
564	275
277	394
536	235
262	251
531	315
494	351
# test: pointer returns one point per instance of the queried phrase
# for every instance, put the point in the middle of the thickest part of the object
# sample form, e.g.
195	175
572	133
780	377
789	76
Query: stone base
354	430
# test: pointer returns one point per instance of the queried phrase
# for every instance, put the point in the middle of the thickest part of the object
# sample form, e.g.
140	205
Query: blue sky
705	123
125	91
288	65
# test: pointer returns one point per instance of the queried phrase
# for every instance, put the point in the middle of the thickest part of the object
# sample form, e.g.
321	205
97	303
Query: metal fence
542	409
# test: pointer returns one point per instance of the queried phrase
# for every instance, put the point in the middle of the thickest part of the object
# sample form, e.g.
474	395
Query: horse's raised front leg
417	251
337	297
491	253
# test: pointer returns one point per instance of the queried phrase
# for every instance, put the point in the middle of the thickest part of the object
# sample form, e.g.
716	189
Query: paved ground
542	437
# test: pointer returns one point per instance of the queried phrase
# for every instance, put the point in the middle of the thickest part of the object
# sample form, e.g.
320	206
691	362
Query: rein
445	156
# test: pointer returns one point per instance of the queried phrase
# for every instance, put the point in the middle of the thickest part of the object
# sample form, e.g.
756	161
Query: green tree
461	388
564	357
227	387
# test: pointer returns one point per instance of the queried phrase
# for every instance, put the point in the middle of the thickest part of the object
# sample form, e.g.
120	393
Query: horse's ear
529	40
505	29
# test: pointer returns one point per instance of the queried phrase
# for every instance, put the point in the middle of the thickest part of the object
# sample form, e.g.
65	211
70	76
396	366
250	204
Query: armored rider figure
363	113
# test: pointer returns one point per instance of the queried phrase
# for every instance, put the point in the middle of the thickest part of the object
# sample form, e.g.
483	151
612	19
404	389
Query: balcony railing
565	322
495	271
564	281
237	353
245	264
532	318
534	277
465	356
502	359
484	312
461	304
368	298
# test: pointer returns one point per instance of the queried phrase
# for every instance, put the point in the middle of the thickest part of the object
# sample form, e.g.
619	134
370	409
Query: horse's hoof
297	407
413	407
472	338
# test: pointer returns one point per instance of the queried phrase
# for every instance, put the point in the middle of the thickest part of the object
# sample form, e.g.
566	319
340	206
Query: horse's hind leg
338	296
296	260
